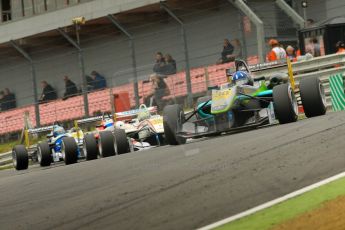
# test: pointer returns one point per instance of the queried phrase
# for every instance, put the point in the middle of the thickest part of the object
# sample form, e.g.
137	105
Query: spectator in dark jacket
2	104
9	101
170	65
99	81
228	49
89	83
48	92
159	66
71	88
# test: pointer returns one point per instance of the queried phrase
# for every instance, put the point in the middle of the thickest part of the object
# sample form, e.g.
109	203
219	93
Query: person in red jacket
277	52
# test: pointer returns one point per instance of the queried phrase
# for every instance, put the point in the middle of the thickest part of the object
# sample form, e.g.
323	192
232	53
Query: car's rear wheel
313	97
69	150
106	144
20	157
121	141
285	104
173	119
44	154
90	147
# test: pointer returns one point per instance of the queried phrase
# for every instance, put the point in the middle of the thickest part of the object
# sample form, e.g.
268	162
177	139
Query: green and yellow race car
243	103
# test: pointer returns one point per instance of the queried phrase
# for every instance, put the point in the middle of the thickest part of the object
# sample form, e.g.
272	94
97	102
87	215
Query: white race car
134	130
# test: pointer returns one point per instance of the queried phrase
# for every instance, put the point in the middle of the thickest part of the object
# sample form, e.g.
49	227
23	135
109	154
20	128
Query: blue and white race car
61	146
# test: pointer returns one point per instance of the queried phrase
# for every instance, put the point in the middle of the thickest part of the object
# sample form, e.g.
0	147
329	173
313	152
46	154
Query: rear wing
40	130
261	66
130	114
133	113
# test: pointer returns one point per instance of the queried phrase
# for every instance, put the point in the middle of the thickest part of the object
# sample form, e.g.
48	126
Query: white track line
272	202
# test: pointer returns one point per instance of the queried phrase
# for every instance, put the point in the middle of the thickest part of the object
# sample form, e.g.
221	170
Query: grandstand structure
38	41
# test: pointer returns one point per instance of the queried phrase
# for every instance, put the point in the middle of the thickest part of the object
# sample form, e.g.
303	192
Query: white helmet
120	125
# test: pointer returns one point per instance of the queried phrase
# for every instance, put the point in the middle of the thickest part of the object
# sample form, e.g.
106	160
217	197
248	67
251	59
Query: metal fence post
260	32
133	55
82	69
34	81
186	52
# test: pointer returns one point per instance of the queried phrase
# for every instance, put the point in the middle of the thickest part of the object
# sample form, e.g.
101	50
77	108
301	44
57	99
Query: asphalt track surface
176	187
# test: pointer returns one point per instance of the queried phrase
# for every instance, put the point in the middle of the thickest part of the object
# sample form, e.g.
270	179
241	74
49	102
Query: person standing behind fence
9	101
160	89
277	52
237	53
228	50
99	82
159	66
290	52
170	65
71	88
340	46
48	92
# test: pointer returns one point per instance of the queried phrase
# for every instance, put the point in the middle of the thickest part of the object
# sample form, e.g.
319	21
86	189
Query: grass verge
291	208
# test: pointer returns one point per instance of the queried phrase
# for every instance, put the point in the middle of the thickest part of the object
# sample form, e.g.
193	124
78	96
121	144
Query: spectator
89	83
290	52
9	100
160	89
2	104
340	47
228	49
276	53
159	66
316	47
237	53
99	81
170	65
309	23
71	88
48	92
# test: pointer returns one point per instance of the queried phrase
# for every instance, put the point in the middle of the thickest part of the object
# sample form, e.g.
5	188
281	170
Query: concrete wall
23	27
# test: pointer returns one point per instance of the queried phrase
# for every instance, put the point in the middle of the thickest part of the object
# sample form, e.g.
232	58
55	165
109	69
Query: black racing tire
20	157
173	119
106	144
44	154
285	104
69	150
313	97
121	142
90	147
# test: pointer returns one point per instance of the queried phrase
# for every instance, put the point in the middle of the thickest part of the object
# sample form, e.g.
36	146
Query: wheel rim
85	149
39	155
14	159
323	95
63	151
100	147
294	103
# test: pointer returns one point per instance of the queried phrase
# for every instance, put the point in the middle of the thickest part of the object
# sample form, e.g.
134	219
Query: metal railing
321	67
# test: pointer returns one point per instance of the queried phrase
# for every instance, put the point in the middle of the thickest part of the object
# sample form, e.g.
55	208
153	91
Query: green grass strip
289	209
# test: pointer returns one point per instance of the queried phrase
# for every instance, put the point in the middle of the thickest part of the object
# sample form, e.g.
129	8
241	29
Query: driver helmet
58	130
241	78
120	125
108	123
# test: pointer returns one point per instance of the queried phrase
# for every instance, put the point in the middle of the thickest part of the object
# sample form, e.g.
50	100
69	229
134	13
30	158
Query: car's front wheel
285	104
20	157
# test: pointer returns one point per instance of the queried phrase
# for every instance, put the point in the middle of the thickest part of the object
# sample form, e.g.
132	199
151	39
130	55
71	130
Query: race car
60	146
134	130
243	103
